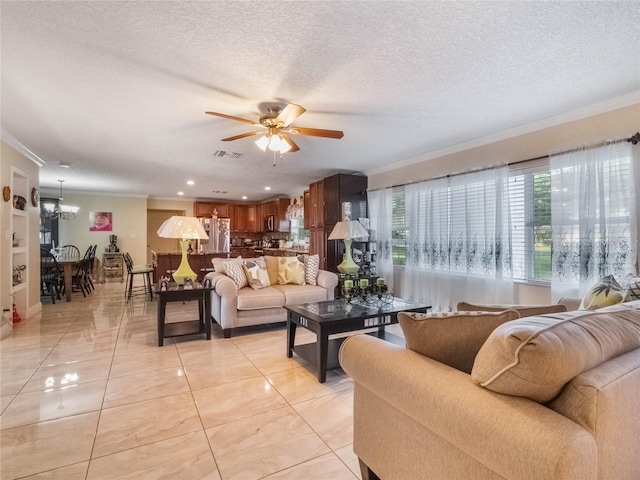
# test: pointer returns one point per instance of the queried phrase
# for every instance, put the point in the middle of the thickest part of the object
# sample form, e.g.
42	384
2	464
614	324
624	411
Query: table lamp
184	228
348	230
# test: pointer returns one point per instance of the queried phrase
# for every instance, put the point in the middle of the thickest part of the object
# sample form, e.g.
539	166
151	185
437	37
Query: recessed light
65	165
244	197
267	188
190	182
180	193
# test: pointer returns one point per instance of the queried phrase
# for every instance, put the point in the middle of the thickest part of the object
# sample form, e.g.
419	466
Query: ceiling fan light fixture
262	143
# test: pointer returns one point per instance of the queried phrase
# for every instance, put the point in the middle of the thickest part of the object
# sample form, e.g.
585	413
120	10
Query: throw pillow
218	263
235	271
256	273
451	338
290	271
272	268
633	289
311	267
605	293
535	357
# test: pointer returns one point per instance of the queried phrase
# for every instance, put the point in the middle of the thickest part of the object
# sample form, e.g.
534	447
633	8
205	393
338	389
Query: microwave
269	223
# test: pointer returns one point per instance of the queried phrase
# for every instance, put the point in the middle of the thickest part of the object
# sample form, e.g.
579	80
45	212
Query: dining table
67	267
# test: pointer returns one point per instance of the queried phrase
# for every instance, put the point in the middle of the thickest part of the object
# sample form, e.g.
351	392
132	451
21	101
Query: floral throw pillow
235	271
290	271
605	293
256	273
311	267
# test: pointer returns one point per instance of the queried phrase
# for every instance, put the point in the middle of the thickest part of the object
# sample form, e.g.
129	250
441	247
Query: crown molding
623	101
20	148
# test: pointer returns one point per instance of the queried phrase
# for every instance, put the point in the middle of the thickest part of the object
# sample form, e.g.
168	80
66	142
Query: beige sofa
232	307
417	417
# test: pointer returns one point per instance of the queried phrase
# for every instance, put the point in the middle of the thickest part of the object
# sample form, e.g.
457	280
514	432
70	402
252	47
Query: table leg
291	333
322	354
207	314
68	287
162	306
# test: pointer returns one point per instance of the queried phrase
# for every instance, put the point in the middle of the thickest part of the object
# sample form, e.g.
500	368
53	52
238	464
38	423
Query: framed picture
100	221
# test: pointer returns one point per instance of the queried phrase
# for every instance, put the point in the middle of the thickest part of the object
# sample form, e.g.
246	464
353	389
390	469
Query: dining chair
69	252
132	270
50	274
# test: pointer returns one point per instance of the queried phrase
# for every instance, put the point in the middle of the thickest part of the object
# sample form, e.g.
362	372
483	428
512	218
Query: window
398	228
530	207
529	193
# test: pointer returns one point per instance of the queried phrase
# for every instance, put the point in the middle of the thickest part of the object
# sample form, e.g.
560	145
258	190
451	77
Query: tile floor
86	393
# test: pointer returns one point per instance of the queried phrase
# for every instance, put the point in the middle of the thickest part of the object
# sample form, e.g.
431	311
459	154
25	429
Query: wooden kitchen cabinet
307	209
238	218
252	219
282	223
205	209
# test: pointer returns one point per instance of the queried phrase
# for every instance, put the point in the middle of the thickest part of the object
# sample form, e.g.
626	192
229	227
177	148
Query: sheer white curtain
594	217
381	222
458	240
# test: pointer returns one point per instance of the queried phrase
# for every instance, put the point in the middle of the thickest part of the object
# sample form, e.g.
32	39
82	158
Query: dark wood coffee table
176	293
333	317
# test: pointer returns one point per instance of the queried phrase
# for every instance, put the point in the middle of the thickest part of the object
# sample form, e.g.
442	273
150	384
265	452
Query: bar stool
132	270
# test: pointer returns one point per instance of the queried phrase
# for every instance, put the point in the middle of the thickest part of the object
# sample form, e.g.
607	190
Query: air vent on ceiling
218	191
223	153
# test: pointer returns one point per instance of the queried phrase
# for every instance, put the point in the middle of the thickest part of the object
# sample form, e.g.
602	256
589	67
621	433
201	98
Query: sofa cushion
451	338
606	292
290	271
269	297
296	294
523	310
535	357
256	273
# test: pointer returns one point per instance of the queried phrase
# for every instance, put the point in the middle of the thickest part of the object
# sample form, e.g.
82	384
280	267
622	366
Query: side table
176	293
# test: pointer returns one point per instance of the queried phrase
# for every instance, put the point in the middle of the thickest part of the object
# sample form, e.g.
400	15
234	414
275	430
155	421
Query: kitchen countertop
266	250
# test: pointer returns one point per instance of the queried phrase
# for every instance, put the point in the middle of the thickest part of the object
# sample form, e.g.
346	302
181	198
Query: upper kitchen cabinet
344	188
307	209
205	209
238	217
252	219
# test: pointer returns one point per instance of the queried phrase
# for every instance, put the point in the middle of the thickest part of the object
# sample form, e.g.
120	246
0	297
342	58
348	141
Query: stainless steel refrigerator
218	231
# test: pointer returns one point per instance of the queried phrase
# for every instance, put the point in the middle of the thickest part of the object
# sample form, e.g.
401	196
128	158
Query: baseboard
5	331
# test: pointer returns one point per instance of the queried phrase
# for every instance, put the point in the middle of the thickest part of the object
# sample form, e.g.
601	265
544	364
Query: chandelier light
62	211
295	210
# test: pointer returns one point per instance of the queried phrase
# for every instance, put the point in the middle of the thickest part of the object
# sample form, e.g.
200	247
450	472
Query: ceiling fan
277	129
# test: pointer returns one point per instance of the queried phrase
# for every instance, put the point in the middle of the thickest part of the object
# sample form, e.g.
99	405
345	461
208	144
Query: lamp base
348	266
184	270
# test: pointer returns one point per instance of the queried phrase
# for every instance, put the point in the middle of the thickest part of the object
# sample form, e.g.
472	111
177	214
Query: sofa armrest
223	285
329	281
510	435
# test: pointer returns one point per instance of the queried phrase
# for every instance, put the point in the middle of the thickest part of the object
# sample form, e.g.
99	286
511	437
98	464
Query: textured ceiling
118	89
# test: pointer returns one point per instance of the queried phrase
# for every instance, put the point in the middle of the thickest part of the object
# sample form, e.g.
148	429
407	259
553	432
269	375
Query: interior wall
613	125
129	223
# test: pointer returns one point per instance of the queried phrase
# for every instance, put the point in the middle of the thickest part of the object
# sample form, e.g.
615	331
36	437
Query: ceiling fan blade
316	132
237	137
290	113
292	144
237	119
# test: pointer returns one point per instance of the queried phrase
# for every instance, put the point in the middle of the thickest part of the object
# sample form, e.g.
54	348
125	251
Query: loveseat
553	396
233	306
